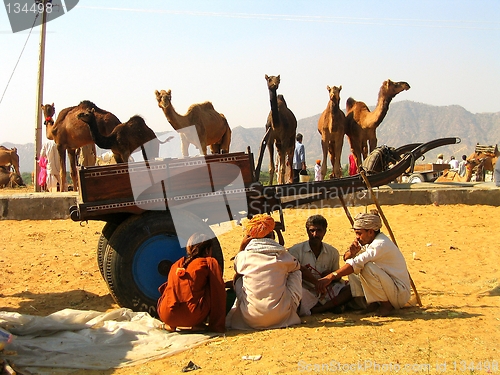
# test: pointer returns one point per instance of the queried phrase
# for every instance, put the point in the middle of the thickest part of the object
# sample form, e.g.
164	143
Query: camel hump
281	98
349	104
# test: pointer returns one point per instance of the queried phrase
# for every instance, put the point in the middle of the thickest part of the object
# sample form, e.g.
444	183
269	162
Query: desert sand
452	255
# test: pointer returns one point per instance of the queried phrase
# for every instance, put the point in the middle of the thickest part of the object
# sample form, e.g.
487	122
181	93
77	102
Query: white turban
367	221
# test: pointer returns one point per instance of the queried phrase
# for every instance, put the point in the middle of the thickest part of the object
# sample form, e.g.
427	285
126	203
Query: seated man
379	272
318	259
267	282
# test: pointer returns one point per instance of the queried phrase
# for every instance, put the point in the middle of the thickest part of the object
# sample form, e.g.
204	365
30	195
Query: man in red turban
268	281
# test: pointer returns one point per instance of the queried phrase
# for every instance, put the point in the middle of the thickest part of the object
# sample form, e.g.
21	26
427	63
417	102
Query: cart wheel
106	233
140	253
416	178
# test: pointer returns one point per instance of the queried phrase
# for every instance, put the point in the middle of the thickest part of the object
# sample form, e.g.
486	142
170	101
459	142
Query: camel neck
382	108
273	98
99	139
174	118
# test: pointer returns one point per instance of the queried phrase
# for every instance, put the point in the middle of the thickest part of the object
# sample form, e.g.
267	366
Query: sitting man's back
268	281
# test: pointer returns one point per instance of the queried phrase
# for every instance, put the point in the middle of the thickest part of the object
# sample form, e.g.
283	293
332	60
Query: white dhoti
52	180
377	286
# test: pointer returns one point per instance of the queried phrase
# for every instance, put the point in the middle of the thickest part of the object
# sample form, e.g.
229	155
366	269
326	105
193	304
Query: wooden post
39	98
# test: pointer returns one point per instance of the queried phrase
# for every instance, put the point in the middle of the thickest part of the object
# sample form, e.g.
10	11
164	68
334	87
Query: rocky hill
406	122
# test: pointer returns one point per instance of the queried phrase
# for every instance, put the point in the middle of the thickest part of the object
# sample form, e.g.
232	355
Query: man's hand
353	250
323	283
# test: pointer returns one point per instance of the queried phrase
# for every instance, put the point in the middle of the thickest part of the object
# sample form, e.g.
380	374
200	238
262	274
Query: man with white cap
378	273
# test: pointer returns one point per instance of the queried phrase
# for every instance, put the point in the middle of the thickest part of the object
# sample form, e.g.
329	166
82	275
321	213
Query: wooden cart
151	208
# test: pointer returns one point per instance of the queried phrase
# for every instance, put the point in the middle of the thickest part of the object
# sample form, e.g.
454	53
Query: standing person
496	174
42	176
299	158
353	168
378	272
194	290
440	159
462	165
318	259
267	280
49	151
317	171
453	163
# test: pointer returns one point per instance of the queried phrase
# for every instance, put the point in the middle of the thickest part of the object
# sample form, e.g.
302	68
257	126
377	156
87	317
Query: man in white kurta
49	150
375	266
316	259
268	284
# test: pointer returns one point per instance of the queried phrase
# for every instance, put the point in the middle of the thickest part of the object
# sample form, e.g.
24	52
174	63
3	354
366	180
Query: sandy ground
452	255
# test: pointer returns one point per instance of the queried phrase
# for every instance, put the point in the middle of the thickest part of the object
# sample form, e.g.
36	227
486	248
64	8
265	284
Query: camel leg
373	144
72	165
63	185
324	167
282	166
289	166
226	141
337	151
331	152
270	147
215	149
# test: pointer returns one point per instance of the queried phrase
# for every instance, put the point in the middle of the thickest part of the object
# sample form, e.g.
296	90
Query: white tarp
91	339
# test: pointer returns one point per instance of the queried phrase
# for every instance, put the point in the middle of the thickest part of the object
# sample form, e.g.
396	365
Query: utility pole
39	97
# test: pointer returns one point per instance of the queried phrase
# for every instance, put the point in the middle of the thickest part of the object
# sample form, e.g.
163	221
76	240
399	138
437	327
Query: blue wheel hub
152	261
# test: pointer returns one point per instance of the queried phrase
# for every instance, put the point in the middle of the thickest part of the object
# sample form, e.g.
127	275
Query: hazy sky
117	53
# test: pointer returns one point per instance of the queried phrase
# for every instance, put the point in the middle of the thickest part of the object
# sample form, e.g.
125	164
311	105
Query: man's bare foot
385	309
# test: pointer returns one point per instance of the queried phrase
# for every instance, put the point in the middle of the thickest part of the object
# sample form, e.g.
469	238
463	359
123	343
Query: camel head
86	115
48	111
334	92
390	89
273	82
164	98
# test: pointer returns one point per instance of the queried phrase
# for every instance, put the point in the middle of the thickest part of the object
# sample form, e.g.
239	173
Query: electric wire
19	59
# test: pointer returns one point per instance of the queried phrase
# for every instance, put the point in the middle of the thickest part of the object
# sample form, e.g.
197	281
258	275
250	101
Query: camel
70	133
211	126
9	157
125	138
331	126
9	178
361	124
282	126
483	159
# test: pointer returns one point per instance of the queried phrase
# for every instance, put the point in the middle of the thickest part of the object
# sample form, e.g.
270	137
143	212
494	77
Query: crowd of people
273	286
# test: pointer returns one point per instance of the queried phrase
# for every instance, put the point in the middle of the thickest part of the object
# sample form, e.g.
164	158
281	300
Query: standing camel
331	126
361	124
211	126
125	138
282	126
70	133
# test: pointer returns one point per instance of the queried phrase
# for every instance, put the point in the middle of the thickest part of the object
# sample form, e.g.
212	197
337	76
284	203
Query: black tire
140	253
416	178
106	233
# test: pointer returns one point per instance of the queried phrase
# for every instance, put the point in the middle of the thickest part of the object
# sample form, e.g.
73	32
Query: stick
346	210
386	223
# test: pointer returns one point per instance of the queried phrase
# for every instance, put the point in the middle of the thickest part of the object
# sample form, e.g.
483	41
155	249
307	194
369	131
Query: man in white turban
375	267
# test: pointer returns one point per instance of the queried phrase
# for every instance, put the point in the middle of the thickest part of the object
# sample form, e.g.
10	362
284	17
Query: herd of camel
202	126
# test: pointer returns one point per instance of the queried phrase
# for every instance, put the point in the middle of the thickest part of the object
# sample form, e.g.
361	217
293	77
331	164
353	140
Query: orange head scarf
259	226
